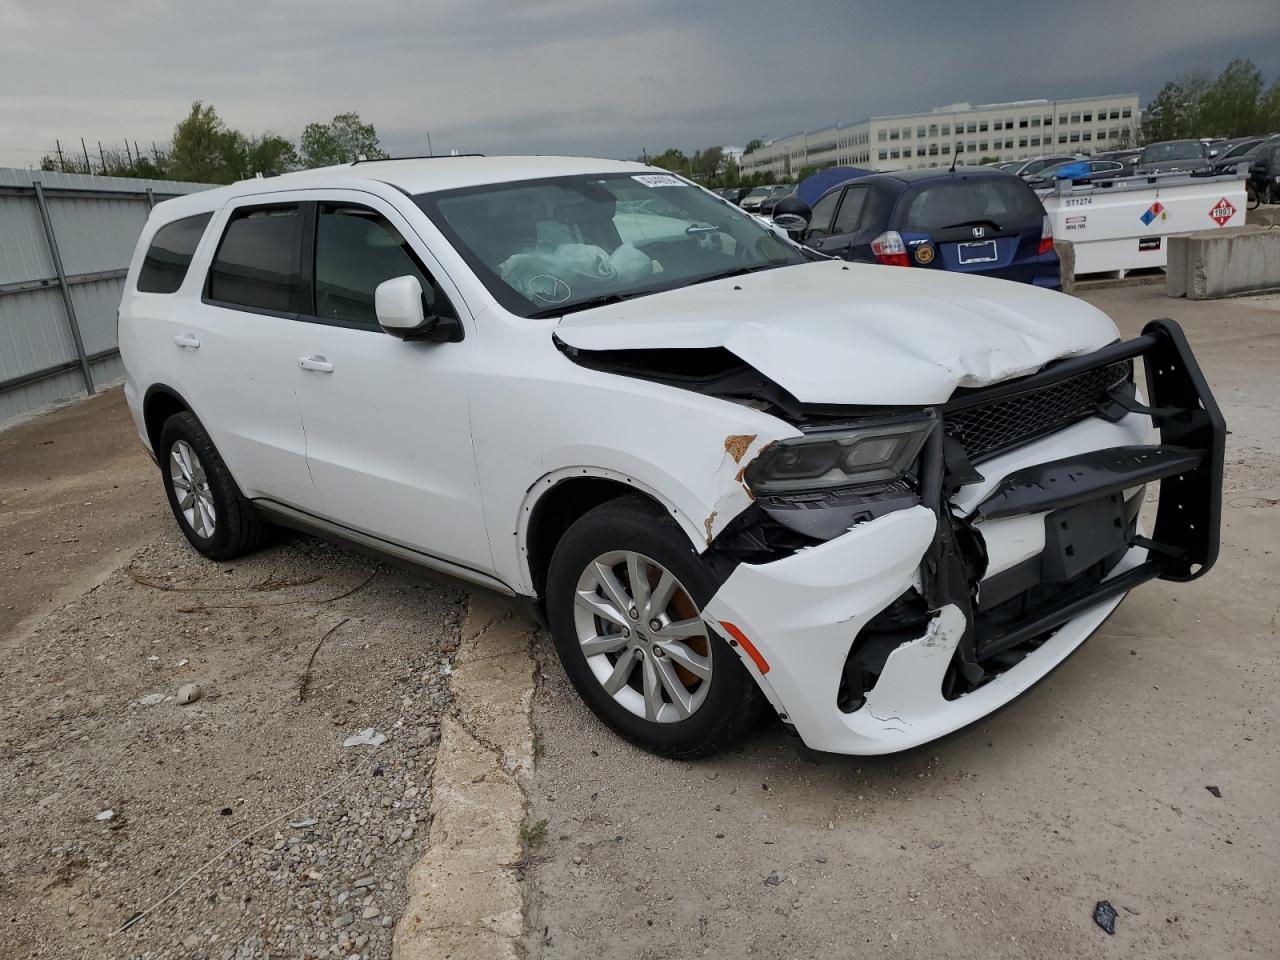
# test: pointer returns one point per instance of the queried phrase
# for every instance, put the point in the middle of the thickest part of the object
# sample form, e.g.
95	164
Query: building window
884	154
1048	121
982	127
1088	117
1075	137
1075	118
894	154
971	128
920	132
997	125
946	148
1022	141
933	149
1126	112
983	146
1022	123
1063	118
1009	144
881	136
1035	121
1035	141
1062	138
1088	135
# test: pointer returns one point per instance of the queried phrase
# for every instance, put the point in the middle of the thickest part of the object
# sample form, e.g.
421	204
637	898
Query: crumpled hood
837	333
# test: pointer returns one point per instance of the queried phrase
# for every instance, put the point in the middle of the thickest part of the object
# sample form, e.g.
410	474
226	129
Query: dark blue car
981	221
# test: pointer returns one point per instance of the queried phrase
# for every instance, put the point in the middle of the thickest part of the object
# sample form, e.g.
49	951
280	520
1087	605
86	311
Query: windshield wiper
601	301
736	272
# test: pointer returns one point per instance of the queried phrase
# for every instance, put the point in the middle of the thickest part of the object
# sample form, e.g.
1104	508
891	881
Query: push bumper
801	614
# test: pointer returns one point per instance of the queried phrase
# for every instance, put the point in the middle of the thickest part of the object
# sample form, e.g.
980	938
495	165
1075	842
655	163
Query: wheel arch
160	402
557	499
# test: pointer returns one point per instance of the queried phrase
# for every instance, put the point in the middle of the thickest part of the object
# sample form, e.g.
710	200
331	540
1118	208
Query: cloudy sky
572	76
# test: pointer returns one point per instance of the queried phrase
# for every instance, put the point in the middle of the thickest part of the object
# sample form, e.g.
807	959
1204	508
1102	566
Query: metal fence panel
95	222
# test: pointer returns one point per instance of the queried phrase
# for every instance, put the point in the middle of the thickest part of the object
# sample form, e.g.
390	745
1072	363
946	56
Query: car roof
899	180
413	176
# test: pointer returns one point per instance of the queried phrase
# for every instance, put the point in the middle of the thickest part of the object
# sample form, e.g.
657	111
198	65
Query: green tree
1229	107
204	148
1175	113
268	153
343	139
753	145
1269	109
673	160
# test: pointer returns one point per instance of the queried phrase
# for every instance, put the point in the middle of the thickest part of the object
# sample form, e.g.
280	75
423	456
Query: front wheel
624	598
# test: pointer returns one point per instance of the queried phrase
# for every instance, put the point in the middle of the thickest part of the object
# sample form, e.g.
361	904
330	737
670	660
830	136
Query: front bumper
803	613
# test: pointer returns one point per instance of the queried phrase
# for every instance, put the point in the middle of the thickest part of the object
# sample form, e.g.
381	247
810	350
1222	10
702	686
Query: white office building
1000	131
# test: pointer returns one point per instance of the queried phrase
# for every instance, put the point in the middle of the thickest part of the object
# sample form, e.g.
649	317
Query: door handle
187	340
317	363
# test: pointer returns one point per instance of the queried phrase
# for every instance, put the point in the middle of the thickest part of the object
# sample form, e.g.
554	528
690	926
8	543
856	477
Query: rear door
236	352
988	225
857	220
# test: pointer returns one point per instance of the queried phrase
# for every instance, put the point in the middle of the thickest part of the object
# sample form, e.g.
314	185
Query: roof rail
424	156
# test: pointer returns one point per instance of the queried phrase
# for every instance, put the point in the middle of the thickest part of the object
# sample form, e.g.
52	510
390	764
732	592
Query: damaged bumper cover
993	578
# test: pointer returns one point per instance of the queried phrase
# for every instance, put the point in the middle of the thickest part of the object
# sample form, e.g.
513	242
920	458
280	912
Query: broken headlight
846	457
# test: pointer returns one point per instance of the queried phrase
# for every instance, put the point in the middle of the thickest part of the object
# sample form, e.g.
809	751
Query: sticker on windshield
659	180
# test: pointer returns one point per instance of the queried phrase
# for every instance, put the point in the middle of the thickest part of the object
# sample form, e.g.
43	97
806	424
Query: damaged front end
1089	503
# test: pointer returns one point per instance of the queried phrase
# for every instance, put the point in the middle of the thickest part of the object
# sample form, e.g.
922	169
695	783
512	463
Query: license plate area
983	251
1075	538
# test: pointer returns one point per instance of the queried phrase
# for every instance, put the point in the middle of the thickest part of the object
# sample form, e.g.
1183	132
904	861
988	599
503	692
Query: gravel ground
240	825
999	841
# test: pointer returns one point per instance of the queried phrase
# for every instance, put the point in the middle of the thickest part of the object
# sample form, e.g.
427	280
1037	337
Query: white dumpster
1123	224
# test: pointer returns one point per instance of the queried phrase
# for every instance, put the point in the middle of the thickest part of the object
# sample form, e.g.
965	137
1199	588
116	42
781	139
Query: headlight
838	458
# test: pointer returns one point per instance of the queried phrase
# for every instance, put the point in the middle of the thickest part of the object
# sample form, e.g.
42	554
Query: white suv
731	473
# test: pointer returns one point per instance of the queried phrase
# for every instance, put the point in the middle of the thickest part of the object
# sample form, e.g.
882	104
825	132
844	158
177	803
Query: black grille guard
1188	462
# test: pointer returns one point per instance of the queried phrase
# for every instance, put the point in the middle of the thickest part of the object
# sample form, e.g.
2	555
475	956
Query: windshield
547	247
760	192
1002	201
1183	150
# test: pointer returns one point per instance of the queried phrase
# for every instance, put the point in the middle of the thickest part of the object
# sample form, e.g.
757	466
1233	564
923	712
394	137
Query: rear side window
170	253
850	210
256	265
1005	202
357	249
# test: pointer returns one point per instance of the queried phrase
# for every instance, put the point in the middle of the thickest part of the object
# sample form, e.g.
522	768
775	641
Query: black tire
733	701
238	528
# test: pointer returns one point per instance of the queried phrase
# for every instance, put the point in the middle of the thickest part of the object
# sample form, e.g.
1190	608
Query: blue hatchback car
982	221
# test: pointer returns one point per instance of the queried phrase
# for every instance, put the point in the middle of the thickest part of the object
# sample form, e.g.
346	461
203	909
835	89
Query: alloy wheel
643	637
191	489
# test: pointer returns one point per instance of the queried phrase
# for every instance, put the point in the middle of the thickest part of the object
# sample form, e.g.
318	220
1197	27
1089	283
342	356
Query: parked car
1264	171
751	202
1129	158
1187	156
1029	168
778	192
731	473
972	220
734	195
1240	155
1077	171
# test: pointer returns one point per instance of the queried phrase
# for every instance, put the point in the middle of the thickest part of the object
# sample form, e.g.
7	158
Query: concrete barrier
1223	263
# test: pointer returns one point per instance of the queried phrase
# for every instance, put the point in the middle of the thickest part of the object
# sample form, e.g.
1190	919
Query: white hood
837	333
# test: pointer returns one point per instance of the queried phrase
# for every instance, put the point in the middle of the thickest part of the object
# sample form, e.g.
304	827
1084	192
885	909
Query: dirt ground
994	843
999	841
239	825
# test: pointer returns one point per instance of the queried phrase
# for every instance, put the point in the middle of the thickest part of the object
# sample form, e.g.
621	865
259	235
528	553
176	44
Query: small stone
364	882
773	879
369	913
345	920
387	921
188	693
406	833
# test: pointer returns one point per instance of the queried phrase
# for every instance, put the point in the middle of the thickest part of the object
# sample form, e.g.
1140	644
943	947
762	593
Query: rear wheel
624	598
211	512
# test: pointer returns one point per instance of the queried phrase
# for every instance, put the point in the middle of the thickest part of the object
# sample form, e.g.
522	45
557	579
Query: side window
256	265
170	253
357	249
851	210
820	221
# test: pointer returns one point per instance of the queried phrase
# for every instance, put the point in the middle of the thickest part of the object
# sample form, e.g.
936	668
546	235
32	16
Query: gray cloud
570	76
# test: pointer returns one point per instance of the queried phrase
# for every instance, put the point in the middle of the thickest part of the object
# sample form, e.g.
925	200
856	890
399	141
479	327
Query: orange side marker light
741	638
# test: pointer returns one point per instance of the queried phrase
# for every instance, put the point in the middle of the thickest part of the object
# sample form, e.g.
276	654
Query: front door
387	426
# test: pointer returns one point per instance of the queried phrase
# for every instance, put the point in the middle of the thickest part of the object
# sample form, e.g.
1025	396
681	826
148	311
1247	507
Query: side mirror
792	214
398	303
1213	152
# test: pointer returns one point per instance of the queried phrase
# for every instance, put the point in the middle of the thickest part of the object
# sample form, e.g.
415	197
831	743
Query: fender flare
548	481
